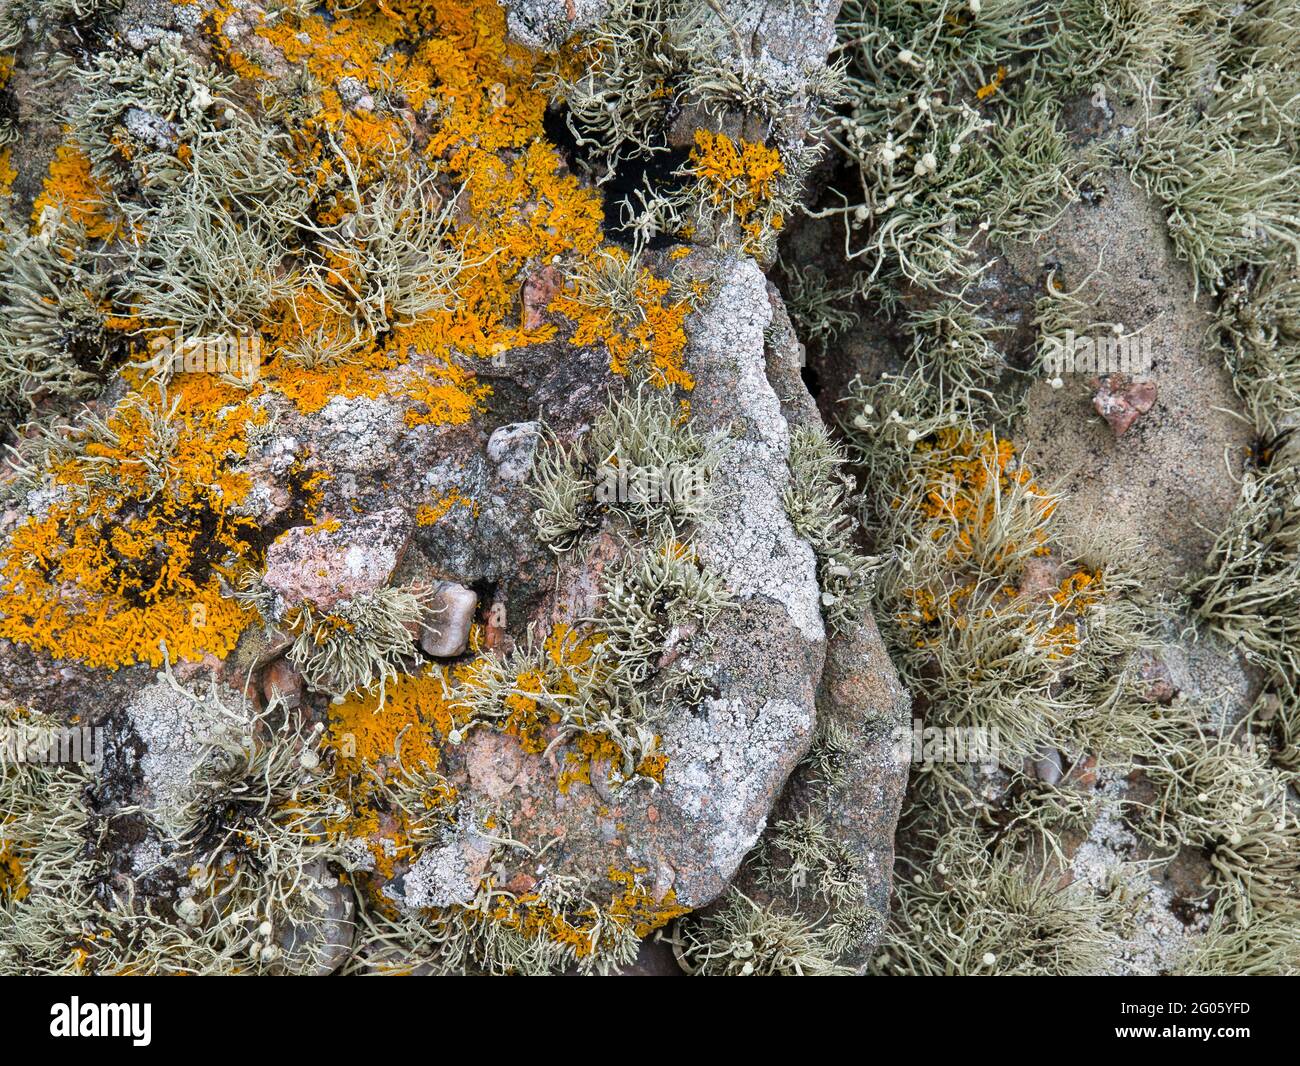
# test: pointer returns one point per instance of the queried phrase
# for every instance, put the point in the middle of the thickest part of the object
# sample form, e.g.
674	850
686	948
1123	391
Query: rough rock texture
859	697
549	23
751	543
1174	475
728	757
174	727
395	500
339	560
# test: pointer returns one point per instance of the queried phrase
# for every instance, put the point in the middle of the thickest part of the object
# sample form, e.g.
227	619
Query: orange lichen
650	339
7	173
519	210
637	908
987	90
444	395
431	513
740	183
129	558
13	879
967	477
739	178
416	716
586	931
374	745
72	192
588	750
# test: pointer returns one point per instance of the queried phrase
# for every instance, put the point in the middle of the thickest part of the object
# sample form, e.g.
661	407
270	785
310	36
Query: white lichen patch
750	541
1152	940
445	875
723	758
173	723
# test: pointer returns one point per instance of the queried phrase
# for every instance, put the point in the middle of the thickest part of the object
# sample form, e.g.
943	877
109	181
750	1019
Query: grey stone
446	634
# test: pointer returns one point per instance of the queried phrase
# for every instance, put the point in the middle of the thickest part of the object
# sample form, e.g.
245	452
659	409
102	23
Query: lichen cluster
954	146
284	208
386	202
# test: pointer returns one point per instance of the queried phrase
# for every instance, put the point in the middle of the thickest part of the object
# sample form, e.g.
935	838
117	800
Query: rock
174	723
338	560
443	875
373	452
781	45
1122	400
284	682
860	699
751	543
446	634
325	941
1039	578
538	289
1047	765
510	448
1159	680
549	23
1164	484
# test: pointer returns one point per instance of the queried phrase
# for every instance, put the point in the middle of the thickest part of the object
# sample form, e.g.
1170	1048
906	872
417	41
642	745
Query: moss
1259	324
996	621
1267	946
1224	206
1220	794
640	461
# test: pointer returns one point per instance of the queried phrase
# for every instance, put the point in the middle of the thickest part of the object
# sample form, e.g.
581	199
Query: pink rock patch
1122	400
338	560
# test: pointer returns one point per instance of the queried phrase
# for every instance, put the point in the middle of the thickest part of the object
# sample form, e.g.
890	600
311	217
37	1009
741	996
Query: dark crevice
657	171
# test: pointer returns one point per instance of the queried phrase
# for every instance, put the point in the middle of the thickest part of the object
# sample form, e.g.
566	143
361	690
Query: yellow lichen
967	480
431	513
7	173
13	879
740	183
129	560
651	338
520	210
72	193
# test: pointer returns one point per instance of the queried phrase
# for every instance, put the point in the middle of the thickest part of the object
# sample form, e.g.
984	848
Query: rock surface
359	489
1174	474
338	560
